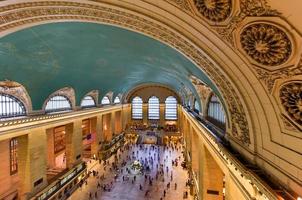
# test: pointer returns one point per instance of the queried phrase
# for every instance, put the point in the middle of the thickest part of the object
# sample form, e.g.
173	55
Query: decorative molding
109	95
38	12
291	99
17	90
288	125
182	4
67	92
247	8
202	89
94	94
214	10
257	8
269	78
266	44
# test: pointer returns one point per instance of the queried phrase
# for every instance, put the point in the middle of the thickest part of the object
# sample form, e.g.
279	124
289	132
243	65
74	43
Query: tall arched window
88	102
58	103
117	100
137	108
171	108
105	101
215	110
196	106
153	108
10	106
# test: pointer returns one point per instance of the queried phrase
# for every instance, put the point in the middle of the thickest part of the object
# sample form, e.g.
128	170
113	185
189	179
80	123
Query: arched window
215	110
58	103
105	101
196	106
88	102
117	100
171	108
10	106
137	108
153	108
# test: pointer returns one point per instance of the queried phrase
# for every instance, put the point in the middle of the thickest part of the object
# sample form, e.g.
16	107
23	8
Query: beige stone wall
8	183
118	122
149	90
107	126
32	162
217	168
35	148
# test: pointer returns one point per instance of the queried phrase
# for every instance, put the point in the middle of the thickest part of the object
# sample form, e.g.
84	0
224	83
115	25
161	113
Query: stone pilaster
73	143
50	148
96	129
32	162
212	177
162	114
112	124
145	113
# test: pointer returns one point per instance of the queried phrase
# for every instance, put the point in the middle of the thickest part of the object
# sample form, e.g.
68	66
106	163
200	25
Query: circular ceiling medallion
214	10
266	44
291	99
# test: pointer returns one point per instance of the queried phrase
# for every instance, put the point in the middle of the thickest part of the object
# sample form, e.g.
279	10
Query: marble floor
128	189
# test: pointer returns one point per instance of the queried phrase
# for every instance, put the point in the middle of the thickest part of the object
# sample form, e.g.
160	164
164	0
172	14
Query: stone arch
94	94
67	92
17	90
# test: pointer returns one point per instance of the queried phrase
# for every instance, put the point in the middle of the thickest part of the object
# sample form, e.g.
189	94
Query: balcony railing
246	172
54	187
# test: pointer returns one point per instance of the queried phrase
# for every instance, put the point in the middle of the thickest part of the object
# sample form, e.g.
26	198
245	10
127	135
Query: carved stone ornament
182	4
266	44
291	99
214	10
17	90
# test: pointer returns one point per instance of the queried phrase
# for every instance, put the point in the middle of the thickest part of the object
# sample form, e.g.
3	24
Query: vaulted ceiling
88	56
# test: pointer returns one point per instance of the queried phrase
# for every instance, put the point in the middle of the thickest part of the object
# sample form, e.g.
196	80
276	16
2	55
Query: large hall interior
150	99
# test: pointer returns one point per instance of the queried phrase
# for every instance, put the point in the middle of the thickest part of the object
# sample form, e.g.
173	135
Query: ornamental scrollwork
17	90
266	44
182	4
214	10
248	8
291	99
269	78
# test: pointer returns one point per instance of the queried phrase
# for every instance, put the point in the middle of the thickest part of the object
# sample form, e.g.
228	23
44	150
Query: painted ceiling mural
88	56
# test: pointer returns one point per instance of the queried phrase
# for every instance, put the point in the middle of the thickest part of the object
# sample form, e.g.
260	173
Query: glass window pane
87	102
153	108
137	108
11	106
117	100
105	101
171	108
57	103
216	110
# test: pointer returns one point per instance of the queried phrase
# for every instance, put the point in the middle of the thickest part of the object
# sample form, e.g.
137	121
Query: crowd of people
158	164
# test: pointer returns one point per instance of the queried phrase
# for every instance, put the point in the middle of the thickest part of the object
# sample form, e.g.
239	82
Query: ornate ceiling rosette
214	10
266	44
291	99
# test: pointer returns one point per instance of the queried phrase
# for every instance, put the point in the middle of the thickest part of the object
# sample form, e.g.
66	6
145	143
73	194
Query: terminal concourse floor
130	189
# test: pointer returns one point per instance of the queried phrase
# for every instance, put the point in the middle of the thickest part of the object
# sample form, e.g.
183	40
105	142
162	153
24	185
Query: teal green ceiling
87	56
